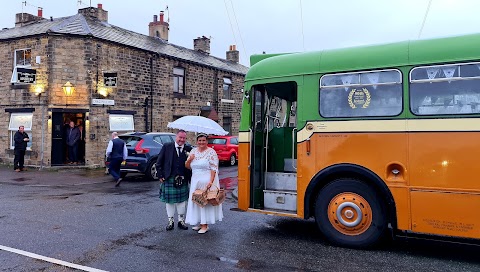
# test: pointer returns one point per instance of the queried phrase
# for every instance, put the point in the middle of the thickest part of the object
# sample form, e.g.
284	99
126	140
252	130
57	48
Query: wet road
122	229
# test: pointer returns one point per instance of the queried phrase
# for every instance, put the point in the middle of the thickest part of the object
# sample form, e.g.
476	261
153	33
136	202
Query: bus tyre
350	213
151	172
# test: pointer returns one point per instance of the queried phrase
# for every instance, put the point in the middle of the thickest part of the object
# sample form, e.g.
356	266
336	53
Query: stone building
105	78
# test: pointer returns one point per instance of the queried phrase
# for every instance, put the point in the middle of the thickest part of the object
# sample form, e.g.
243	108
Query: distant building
105	78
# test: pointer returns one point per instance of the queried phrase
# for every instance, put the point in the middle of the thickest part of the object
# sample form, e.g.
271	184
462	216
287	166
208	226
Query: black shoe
118	182
181	225
170	225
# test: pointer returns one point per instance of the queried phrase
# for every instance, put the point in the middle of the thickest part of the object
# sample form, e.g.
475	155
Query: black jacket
20	144
165	161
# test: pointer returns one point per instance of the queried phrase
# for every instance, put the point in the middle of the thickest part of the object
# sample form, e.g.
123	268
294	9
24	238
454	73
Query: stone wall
82	61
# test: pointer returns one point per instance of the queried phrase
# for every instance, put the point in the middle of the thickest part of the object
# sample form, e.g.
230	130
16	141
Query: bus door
273	164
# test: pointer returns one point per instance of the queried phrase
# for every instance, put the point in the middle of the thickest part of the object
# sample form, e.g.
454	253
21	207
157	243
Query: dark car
143	149
226	148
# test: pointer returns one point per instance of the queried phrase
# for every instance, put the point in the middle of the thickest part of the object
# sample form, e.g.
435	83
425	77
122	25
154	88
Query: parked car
226	148
143	149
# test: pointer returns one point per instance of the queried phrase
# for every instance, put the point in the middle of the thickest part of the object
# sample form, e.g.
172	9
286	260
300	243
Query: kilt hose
171	194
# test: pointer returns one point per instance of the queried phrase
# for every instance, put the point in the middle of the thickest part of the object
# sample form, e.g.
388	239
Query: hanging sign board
26	76
110	79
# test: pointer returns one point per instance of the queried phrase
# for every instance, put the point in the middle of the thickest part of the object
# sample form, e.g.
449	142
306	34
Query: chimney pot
155	18
100	6
161	16
40	12
233	54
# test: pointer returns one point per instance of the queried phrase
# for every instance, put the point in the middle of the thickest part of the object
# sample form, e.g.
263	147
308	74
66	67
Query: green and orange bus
367	140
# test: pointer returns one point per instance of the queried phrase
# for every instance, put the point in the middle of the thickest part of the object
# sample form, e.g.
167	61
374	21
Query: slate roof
86	26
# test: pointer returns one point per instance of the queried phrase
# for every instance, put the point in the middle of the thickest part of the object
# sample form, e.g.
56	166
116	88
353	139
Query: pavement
67	176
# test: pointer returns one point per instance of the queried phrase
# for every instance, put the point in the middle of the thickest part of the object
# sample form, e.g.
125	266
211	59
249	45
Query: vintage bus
368	140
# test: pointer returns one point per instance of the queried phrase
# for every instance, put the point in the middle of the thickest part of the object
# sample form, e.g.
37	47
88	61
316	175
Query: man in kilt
174	178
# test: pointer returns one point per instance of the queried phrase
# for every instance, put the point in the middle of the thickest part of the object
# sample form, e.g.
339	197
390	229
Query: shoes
202	231
23	169
196	228
170	224
181	225
17	170
118	182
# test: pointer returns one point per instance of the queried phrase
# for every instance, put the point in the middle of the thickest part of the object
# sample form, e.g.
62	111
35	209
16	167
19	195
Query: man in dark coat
73	136
174	178
21	139
117	153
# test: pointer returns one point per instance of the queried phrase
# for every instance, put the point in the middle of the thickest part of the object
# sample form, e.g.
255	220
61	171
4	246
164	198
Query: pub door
58	145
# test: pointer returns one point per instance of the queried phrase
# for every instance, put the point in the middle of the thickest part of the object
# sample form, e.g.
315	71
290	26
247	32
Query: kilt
170	194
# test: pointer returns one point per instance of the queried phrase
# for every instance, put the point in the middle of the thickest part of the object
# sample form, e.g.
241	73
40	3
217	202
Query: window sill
179	95
231	101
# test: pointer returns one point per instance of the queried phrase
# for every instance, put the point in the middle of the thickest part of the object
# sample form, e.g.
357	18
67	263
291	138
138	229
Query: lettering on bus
359	98
448	225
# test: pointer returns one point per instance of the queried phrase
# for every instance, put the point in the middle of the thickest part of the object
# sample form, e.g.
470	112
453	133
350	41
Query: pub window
227	124
445	89
227	88
17	120
179	80
22	58
361	94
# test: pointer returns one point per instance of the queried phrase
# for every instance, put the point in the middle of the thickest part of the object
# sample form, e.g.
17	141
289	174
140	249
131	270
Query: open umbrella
197	124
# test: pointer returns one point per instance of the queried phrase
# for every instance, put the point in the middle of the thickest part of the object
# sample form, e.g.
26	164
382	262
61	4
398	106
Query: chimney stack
202	44
233	54
40	12
22	19
97	13
157	28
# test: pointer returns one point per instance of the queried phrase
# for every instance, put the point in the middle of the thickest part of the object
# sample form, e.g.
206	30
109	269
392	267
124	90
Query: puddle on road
21	179
62	196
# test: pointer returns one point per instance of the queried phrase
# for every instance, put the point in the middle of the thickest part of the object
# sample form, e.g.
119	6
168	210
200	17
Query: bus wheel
350	213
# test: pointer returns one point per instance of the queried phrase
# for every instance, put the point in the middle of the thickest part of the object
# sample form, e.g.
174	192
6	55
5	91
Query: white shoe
196	228
202	231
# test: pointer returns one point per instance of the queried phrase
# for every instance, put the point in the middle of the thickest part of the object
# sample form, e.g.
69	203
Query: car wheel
350	213
233	159
151	172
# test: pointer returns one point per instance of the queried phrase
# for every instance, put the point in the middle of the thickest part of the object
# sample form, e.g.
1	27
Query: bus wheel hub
350	214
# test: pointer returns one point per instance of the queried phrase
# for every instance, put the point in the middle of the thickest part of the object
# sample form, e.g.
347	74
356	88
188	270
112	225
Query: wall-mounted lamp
68	88
49	115
38	90
103	91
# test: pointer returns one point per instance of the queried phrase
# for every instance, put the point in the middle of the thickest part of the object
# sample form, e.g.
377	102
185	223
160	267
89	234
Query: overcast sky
276	26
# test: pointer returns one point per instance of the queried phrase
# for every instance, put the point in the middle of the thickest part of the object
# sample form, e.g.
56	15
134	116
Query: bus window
361	94
445	90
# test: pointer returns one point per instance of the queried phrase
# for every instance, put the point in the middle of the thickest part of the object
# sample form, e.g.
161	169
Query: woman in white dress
203	161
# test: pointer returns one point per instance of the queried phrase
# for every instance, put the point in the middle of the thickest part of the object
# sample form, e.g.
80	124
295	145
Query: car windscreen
217	141
130	141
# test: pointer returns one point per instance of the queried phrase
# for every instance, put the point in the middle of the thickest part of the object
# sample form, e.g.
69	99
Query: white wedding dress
201	166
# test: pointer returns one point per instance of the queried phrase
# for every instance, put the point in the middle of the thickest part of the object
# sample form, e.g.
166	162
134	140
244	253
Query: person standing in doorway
21	139
73	136
174	178
117	153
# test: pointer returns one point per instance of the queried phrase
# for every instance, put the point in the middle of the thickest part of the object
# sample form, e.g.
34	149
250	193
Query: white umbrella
197	124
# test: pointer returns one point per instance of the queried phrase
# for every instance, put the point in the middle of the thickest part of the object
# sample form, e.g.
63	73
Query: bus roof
417	52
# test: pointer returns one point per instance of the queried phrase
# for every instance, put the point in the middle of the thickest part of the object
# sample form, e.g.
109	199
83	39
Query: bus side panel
445	213
306	170
243	176
401	196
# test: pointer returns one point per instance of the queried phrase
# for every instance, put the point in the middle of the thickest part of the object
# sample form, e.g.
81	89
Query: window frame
14	128
438	80
229	123
227	94
176	89
15	58
400	82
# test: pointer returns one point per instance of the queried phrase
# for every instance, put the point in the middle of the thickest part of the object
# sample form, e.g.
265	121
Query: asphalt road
123	229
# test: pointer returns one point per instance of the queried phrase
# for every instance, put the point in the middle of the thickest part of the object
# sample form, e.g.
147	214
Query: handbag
199	197
216	196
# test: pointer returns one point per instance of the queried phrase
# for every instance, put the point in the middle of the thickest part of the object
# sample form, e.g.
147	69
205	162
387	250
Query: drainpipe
151	91
42	148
